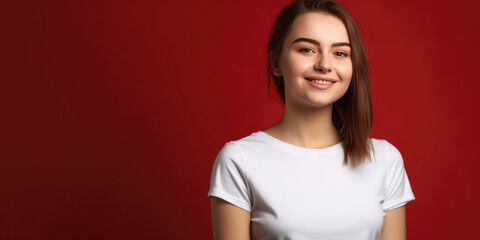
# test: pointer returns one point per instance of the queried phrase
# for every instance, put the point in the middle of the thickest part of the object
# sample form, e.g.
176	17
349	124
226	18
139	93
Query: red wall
112	113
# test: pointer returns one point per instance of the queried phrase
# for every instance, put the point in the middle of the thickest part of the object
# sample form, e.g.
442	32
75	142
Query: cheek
345	71
289	67
294	65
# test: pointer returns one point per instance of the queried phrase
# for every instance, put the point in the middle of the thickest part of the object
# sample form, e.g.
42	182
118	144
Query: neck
308	127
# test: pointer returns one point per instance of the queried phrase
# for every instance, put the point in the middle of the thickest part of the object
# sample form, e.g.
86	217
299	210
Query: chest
316	199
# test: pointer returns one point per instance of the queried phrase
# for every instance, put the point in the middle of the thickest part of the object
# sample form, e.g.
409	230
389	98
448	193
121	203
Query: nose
324	65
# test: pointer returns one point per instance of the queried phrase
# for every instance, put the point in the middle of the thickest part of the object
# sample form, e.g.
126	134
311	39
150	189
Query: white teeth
320	81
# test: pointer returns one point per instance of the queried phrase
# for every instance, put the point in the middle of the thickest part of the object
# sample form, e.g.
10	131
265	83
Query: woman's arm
229	221
394	224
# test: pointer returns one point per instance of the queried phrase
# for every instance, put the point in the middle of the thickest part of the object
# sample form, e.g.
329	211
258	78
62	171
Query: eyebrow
313	41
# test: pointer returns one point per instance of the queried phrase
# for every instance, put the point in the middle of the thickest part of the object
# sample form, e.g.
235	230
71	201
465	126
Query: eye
341	54
306	50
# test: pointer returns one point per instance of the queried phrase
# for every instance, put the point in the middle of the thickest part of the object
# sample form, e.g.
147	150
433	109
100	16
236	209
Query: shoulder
229	152
253	142
386	150
383	144
233	150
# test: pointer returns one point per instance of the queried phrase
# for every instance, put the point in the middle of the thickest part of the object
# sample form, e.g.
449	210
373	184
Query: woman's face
317	47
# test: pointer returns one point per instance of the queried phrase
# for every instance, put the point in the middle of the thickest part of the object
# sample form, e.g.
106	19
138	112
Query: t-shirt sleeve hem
390	206
233	200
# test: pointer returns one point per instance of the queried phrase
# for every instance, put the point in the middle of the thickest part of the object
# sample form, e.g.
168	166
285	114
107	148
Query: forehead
323	27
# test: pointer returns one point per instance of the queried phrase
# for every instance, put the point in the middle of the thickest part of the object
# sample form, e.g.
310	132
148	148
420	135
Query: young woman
316	174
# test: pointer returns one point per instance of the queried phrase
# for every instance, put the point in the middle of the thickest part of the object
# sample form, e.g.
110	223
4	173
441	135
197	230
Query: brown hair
352	113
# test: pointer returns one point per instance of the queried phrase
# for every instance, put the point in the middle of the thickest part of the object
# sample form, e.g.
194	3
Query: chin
321	101
320	104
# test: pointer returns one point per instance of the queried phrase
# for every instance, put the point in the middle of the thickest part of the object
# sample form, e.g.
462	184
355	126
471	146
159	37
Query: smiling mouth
319	81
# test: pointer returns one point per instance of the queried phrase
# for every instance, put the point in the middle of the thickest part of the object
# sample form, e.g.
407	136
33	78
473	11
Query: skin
307	121
229	221
395	224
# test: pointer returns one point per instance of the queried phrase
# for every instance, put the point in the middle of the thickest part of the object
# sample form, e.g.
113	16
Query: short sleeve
397	186
228	177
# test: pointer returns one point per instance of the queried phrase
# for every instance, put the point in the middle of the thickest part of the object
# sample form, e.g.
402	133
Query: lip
321	86
320	78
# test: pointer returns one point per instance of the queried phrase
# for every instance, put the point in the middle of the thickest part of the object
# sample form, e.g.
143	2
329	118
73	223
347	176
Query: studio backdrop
112	112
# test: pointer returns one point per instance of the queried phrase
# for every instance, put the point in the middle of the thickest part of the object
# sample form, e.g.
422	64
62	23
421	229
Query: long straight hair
352	113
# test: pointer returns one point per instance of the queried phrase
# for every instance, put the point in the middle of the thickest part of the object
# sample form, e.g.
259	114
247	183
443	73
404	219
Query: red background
112	112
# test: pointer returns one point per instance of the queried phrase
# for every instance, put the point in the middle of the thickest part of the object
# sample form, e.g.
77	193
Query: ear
275	67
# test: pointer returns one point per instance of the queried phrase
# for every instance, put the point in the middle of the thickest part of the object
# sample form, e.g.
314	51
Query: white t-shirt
301	193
